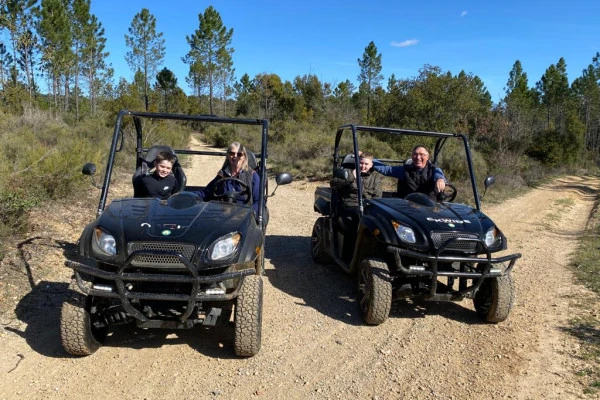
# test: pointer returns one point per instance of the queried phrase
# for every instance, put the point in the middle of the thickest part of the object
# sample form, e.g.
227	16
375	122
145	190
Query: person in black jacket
420	175
160	181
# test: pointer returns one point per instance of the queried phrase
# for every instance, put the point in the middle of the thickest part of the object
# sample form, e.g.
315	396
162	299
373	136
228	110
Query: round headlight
492	237
405	233
105	242
225	246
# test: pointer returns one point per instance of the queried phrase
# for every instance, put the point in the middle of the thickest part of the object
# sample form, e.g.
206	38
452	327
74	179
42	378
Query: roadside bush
220	136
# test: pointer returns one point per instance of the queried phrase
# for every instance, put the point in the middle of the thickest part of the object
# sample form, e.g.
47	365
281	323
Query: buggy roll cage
138	116
439	144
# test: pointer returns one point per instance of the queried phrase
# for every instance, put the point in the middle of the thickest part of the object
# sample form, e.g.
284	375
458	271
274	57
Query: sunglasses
233	154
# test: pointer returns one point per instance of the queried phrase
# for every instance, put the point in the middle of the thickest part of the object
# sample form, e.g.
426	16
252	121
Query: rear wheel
374	291
494	299
78	334
248	317
317	242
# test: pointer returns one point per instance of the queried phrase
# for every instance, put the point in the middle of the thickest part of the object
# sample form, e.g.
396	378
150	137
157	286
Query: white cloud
406	43
464	13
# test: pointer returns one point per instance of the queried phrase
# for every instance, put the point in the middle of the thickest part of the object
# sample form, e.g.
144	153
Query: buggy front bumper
488	267
121	277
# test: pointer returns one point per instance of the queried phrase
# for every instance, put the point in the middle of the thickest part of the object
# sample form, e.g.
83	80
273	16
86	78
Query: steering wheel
449	193
231	195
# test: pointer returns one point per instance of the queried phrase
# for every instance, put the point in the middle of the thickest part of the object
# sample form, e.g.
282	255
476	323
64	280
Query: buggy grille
439	238
160	260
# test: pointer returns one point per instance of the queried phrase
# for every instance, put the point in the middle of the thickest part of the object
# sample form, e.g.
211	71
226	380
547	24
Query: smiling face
235	157
420	155
365	164
163	168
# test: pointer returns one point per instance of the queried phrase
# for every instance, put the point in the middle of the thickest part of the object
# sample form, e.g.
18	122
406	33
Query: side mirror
89	169
341	173
489	181
282	179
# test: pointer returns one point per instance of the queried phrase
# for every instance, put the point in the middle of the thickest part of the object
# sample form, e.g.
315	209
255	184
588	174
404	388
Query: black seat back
348	161
146	163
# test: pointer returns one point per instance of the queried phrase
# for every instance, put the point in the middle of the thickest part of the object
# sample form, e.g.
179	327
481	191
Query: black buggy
413	247
171	263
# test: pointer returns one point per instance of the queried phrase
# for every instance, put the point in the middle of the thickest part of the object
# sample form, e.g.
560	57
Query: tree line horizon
62	43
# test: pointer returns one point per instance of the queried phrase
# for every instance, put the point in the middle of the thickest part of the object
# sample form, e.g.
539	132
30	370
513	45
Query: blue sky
325	38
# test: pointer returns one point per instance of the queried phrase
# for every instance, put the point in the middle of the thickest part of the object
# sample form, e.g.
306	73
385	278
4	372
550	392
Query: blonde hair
240	149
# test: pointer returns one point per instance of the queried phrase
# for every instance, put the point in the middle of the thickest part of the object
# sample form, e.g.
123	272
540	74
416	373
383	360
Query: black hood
151	220
441	216
427	221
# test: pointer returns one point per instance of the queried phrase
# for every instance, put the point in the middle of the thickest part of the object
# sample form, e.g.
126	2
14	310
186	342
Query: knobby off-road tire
317	242
374	291
248	317
494	299
78	335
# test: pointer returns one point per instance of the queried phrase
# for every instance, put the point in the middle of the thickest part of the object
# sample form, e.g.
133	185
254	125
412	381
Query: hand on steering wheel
232	195
449	193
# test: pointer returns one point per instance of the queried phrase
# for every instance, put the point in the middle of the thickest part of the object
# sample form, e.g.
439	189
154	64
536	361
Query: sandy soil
314	342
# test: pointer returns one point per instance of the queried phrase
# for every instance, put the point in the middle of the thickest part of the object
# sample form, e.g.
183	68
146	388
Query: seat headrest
154	150
349	162
252	164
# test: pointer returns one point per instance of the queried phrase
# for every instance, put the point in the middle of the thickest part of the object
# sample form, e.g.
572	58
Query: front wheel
494	299
79	336
374	291
248	317
318	243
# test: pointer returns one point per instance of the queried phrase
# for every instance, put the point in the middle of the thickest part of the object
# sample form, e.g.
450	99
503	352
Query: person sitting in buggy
159	181
237	181
347	190
417	175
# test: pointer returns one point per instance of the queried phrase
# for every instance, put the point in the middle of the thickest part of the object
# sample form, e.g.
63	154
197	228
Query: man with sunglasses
418	175
226	185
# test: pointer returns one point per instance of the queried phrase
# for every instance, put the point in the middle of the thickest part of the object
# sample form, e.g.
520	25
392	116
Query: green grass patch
586	265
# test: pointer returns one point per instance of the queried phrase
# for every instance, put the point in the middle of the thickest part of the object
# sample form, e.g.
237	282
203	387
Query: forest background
535	131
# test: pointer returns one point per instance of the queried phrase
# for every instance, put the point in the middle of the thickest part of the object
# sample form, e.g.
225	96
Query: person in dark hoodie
420	175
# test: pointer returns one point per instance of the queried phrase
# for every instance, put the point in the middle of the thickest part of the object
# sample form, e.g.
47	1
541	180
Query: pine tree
370	73
209	56
147	47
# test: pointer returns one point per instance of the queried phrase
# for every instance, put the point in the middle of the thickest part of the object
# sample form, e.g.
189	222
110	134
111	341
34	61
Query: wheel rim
364	289
316	240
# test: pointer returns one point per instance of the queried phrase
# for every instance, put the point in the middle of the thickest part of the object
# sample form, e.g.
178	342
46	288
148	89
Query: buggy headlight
104	242
405	233
492	237
224	246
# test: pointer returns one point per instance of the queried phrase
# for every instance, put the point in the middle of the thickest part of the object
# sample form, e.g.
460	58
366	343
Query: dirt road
314	342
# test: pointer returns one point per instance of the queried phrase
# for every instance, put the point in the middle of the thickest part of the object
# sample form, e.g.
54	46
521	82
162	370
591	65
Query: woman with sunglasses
236	182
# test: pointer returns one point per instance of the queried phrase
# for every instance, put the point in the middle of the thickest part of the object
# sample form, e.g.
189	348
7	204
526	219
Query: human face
365	165
163	168
420	157
235	157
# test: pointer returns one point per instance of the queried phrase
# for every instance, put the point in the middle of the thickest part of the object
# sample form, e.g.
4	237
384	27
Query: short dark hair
165	156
